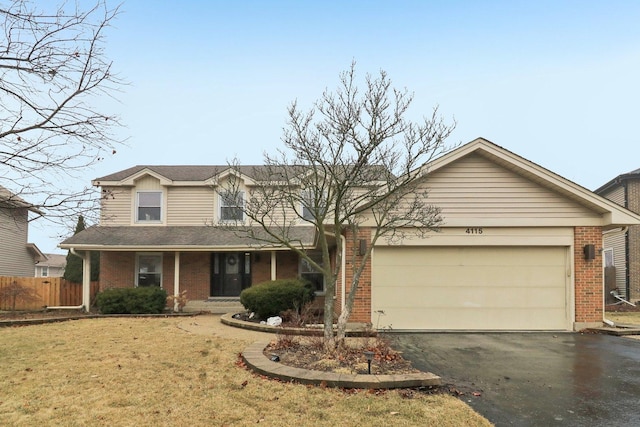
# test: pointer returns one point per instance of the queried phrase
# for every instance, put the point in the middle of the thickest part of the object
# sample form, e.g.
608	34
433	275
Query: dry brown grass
631	317
151	372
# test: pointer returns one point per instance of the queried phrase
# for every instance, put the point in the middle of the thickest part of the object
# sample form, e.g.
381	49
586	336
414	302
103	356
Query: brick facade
195	274
362	305
588	277
117	270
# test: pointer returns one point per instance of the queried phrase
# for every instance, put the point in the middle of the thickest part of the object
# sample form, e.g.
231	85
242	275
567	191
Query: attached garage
509	253
471	287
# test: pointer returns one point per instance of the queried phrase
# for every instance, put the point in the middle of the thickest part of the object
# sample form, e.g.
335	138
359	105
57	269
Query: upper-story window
149	206
231	206
312	205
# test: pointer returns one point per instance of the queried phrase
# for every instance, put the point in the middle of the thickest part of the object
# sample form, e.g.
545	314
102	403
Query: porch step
215	305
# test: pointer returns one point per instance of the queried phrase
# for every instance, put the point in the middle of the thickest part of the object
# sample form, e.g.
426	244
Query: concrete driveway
535	379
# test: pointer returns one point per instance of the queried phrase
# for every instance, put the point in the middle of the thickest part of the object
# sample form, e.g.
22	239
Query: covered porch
212	264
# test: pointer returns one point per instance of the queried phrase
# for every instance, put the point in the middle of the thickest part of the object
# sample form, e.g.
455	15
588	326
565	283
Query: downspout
627	267
72	307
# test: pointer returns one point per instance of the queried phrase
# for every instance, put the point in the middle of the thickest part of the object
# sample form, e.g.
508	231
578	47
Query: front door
231	273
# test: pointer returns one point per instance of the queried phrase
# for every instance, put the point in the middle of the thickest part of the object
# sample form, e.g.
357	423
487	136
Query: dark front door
231	273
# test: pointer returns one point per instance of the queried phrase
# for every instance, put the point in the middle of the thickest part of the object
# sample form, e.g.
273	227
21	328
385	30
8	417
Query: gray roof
9	199
54	260
634	174
204	172
175	238
185	172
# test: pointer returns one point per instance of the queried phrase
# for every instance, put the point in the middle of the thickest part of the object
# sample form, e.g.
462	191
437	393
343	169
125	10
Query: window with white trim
231	206
608	258
45	271
149	270
309	207
149	206
311	275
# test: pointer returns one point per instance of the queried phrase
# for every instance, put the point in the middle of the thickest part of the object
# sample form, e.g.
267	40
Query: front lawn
151	372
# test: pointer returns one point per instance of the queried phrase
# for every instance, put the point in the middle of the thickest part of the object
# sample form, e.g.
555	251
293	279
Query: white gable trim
231	172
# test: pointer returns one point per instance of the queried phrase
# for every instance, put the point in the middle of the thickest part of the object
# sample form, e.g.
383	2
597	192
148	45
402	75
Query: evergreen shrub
140	300
272	298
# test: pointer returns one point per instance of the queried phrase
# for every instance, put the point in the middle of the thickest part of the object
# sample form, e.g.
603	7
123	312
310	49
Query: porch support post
176	280
273	265
86	280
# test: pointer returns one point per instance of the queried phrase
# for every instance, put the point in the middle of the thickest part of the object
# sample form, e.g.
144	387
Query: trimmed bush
141	300
272	298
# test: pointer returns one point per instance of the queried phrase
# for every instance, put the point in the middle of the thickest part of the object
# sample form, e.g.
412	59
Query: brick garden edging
254	358
353	330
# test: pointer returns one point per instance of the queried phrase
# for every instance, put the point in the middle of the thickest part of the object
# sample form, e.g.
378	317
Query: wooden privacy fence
41	292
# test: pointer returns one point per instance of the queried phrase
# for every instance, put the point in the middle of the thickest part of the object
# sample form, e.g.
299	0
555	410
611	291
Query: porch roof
179	238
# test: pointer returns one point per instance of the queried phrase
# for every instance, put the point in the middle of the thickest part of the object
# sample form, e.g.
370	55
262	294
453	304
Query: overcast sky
556	82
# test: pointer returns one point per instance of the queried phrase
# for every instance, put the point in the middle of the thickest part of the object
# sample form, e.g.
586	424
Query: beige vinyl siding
616	241
148	183
616	195
190	205
476	188
15	258
116	206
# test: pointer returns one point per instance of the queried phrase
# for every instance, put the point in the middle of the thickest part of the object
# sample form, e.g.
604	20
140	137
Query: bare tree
53	70
354	163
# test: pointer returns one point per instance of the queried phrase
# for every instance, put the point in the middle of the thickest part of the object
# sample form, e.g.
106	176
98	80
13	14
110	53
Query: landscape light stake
369	355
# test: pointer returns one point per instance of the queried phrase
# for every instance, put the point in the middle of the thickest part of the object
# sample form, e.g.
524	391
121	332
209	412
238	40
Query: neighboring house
17	257
622	246
53	266
518	250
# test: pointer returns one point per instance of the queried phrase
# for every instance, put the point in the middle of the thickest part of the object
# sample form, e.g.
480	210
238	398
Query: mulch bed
621	308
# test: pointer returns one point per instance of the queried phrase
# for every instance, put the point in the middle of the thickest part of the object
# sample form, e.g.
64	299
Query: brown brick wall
588	276
362	305
261	267
633	198
195	274
287	265
117	269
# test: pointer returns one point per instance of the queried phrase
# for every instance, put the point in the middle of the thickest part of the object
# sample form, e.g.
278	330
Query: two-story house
519	248
52	266
17	256
622	246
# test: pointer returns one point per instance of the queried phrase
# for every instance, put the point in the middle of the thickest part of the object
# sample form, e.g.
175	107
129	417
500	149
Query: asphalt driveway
535	379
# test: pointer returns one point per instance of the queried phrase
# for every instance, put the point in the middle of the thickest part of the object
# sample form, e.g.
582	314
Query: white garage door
470	288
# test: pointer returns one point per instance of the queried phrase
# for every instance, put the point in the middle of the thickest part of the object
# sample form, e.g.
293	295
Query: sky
556	82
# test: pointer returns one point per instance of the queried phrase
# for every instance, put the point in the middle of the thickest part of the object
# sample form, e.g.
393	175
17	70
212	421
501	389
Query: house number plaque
474	230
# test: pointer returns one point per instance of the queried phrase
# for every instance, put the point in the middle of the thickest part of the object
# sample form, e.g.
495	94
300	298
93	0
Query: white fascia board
231	171
131	179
